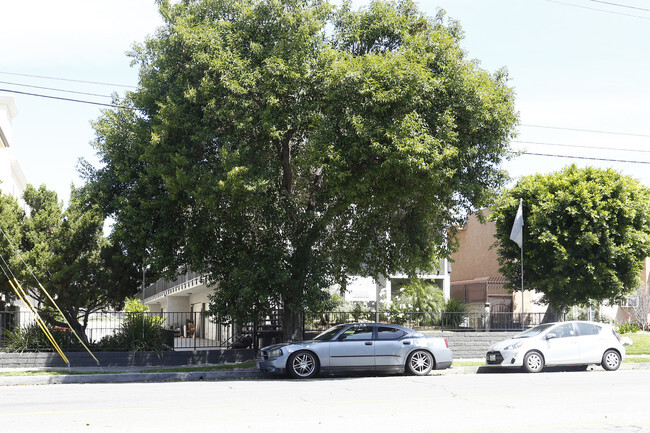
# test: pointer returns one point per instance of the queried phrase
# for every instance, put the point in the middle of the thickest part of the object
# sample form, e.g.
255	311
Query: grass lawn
641	344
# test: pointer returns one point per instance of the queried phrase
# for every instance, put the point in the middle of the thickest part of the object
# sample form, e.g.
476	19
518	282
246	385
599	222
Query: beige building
475	277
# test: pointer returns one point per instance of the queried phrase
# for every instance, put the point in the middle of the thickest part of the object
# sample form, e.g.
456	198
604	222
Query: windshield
532	332
327	335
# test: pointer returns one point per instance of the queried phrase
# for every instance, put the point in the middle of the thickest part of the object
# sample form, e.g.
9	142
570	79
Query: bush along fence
132	332
118	331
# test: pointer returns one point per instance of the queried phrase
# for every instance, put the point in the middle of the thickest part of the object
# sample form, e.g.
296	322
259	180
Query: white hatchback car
574	343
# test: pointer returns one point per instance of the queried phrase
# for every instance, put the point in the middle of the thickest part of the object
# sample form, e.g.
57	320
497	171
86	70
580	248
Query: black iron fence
468	321
106	330
193	330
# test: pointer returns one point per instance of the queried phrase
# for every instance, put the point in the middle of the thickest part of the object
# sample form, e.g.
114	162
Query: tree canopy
281	145
586	233
66	251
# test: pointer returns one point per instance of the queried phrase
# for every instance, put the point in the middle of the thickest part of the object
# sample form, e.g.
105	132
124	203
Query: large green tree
67	253
586	233
11	224
280	145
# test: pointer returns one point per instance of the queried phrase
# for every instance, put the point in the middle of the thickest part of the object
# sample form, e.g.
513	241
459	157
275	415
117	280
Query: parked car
358	347
574	343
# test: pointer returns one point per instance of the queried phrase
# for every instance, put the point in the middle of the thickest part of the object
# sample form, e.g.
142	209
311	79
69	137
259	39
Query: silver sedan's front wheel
302	365
419	363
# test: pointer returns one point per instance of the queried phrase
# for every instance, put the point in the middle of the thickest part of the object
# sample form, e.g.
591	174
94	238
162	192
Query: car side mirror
550	335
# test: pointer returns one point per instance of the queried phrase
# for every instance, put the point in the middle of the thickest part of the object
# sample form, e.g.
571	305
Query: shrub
32	338
455	313
628	328
137	333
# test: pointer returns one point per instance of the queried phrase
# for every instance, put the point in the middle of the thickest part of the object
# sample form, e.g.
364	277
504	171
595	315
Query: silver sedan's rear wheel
611	360
533	362
419	363
302	365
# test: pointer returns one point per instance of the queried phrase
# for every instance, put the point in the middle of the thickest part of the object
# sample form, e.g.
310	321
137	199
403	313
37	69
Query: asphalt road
589	401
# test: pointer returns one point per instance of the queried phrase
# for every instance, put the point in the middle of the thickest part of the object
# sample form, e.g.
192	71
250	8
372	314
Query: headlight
275	353
514	346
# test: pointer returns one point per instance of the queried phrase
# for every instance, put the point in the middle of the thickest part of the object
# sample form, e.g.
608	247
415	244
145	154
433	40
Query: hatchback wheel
419	363
302	365
611	360
533	362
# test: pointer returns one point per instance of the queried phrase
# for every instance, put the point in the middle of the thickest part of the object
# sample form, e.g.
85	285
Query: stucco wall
474	258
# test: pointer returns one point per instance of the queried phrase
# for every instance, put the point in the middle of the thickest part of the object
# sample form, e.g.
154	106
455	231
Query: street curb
236	374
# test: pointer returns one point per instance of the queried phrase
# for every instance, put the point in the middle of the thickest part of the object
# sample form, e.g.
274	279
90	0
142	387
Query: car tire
611	360
533	362
419	363
303	365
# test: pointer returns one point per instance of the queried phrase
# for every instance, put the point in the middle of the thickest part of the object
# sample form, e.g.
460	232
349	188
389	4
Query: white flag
517	233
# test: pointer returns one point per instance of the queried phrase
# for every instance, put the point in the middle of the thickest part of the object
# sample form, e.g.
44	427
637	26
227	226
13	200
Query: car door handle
368	343
406	343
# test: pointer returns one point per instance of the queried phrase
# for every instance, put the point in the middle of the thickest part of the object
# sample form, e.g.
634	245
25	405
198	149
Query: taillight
617	336
446	343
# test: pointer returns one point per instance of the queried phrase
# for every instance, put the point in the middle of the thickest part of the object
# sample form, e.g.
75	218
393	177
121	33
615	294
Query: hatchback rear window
588	328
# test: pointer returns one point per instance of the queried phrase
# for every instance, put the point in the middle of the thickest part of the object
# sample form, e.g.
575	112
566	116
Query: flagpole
522	279
517	235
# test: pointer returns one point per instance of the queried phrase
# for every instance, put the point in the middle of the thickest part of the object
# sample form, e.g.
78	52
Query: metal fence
193	330
469	321
179	330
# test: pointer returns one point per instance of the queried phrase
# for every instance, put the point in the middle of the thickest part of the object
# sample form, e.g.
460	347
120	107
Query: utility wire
585	130
587	158
67	79
620	5
66	99
596	9
582	146
54	89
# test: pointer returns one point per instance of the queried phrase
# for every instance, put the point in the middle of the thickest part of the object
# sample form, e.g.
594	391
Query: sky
580	70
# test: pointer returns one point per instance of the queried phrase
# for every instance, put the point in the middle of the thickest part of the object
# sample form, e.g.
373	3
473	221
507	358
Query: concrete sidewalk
79	375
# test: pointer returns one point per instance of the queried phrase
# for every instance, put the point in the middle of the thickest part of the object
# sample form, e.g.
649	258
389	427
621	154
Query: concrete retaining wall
126	359
464	345
468	345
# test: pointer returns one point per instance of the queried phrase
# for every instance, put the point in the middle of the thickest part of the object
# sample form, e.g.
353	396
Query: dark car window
389	333
362	332
564	331
329	334
588	329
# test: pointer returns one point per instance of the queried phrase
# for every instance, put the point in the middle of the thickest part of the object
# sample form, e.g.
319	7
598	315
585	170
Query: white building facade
12	178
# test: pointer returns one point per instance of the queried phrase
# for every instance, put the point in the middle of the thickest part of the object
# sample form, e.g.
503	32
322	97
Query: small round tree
586	233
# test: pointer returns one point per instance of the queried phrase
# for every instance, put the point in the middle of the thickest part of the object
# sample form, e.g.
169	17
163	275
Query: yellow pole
39	321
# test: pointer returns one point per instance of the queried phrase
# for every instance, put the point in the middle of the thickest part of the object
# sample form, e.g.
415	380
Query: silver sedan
358	347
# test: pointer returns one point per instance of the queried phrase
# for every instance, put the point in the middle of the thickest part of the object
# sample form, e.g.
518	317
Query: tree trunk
554	313
293	323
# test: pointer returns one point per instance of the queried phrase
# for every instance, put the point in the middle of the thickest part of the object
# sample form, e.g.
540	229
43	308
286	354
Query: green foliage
134	305
628	328
419	295
137	333
279	146
10	222
31	338
586	232
66	250
455	313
